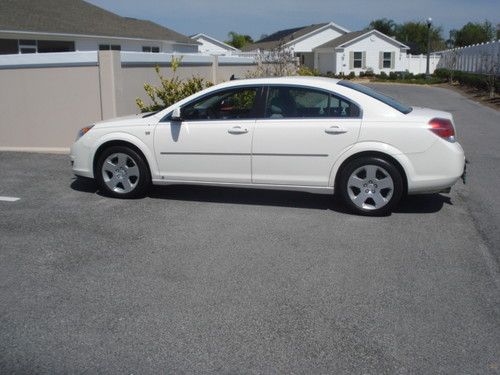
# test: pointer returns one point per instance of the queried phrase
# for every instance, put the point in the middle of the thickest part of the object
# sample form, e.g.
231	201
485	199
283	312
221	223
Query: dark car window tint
298	102
223	105
377	95
340	107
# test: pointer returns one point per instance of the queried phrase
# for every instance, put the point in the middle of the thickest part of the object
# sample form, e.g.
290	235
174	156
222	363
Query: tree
450	62
384	25
490	67
277	62
415	35
472	33
238	40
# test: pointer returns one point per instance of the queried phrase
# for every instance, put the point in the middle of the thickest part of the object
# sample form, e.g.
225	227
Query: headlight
83	131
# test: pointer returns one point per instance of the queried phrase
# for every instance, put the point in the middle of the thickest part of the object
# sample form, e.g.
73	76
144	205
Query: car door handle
335	129
237	130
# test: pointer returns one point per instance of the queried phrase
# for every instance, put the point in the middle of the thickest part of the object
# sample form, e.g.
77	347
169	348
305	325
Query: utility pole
427	70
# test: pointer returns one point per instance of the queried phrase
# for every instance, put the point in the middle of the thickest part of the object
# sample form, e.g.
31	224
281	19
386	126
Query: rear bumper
437	169
464	174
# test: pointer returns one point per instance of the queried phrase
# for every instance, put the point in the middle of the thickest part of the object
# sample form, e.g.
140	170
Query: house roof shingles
342	39
282	36
79	17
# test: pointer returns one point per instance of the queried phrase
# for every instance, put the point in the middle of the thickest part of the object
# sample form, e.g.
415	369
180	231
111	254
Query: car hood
136	119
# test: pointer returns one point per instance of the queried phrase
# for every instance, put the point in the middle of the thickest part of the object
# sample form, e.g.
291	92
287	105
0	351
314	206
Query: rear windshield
376	95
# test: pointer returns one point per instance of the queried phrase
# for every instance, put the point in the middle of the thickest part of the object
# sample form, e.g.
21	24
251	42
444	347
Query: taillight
443	128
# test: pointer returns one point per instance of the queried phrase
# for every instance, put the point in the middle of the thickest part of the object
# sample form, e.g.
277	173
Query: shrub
473	80
361	74
393	76
382	75
171	90
369	73
351	75
306	71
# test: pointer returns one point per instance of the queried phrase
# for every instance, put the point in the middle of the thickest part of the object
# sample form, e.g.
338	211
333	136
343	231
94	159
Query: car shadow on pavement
417	204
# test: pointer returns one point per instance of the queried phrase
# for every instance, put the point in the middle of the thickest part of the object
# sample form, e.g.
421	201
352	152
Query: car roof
297	80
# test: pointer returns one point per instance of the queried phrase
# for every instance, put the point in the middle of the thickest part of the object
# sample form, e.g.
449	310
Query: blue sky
257	17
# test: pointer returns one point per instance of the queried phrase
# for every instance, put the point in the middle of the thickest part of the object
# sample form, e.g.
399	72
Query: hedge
475	80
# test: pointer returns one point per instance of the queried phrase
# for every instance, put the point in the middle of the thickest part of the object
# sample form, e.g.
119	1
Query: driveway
211	280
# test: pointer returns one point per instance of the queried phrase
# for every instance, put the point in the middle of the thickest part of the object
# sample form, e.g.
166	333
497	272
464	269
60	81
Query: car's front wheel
370	186
122	173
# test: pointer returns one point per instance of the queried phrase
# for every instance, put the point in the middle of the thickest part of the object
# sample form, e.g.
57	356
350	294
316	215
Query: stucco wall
44	107
130	83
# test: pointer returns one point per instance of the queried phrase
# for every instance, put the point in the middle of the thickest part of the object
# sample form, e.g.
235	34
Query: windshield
377	95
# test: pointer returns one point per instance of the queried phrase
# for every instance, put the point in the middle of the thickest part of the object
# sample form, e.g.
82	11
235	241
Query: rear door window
303	102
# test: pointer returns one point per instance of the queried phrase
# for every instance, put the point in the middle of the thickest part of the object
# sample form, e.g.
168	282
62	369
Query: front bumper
80	162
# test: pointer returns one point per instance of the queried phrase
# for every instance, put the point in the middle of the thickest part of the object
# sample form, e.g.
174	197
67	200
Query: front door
212	142
303	132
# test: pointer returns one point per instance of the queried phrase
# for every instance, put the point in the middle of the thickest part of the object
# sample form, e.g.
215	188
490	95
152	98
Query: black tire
139	184
349	193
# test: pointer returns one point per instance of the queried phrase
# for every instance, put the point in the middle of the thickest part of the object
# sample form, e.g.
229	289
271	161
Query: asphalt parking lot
210	280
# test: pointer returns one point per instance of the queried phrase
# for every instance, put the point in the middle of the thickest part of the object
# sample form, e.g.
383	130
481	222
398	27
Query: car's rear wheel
370	186
122	173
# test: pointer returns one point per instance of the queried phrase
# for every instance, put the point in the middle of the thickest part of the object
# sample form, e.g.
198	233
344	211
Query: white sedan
292	133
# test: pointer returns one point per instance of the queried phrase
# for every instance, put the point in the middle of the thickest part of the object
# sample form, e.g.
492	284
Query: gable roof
77	17
213	40
287	36
353	36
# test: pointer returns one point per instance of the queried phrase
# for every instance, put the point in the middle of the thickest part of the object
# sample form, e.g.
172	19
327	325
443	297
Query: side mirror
176	115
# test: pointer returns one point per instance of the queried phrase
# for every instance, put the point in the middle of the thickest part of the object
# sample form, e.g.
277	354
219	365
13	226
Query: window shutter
363	63
393	57
380	60
351	60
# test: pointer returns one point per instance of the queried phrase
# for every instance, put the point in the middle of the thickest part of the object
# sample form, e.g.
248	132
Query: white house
212	46
359	51
330	48
40	26
302	40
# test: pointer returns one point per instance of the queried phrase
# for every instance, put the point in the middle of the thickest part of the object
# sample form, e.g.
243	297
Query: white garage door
326	62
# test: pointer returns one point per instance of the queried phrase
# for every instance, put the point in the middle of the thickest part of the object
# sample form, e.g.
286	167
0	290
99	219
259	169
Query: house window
45	46
27	46
109	47
150	49
358	60
387	61
8	47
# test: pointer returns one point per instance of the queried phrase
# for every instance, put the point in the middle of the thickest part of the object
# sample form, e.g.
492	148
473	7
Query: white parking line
9	199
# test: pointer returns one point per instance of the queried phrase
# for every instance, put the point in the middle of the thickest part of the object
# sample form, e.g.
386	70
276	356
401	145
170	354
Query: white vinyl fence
417	64
479	58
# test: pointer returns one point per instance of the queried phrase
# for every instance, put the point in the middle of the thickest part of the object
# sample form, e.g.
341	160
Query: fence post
109	68
215	68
